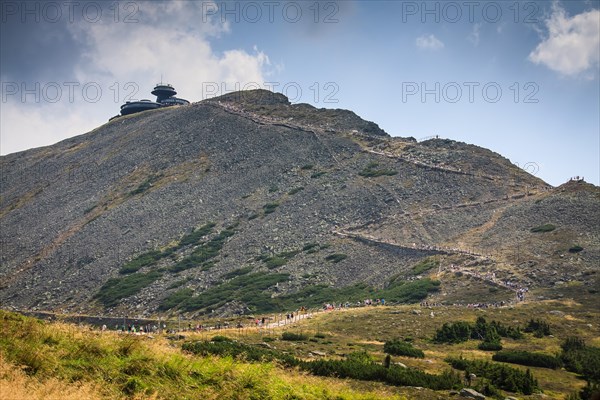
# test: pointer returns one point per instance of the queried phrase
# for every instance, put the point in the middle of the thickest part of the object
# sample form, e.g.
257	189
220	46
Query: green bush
318	174
453	332
402	348
502	376
307	167
575	249
336	258
145	185
194	237
543	228
425	265
143	260
296	190
372	170
528	358
290	336
270	207
237	272
116	289
582	359
174	299
539	328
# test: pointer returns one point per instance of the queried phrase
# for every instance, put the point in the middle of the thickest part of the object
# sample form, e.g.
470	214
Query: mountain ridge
280	177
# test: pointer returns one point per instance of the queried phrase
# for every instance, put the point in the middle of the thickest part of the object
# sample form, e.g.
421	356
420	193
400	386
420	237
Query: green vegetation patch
204	252
402	348
336	258
174	299
237	272
356	365
116	289
277	260
461	331
372	170
143	260
528	358
145	185
543	228
502	376
196	235
270	208
575	249
250	289
293	337
425	265
580	358
296	190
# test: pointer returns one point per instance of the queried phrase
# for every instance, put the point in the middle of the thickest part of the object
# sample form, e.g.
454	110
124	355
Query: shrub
194	237
270	207
296	190
538	328
174	299
528	358
402	348
372	170
575	249
425	265
581	359
143	260
145	185
453	332
543	228
116	289
237	272
290	336
318	174
336	258
307	167
502	376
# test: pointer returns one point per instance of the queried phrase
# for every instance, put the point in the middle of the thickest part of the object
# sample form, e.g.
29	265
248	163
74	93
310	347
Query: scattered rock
318	353
416	312
472	394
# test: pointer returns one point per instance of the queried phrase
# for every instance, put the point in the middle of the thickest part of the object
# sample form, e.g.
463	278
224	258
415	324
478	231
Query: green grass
116	289
53	360
543	228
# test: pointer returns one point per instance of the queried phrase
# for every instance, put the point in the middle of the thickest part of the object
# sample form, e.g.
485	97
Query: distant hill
248	203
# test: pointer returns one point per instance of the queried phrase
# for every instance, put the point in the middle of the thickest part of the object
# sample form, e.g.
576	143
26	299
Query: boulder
472	394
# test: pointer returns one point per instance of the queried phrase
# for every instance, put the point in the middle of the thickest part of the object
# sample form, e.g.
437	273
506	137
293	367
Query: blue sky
519	78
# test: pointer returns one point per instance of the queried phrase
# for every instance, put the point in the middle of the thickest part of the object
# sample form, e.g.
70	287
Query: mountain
246	203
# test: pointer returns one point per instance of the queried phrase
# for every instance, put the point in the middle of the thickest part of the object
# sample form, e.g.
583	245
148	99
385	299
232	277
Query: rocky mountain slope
246	202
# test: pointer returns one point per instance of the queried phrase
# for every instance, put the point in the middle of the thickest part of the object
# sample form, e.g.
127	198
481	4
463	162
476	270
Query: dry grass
15	384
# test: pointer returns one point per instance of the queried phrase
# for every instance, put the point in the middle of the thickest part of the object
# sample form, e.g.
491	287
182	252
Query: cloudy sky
521	79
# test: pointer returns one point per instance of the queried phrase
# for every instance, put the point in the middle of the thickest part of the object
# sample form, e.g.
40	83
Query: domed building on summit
165	97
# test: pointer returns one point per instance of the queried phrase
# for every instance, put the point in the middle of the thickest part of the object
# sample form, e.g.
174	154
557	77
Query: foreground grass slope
57	361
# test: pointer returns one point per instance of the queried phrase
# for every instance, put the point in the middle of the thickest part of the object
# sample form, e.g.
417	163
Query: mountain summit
246	203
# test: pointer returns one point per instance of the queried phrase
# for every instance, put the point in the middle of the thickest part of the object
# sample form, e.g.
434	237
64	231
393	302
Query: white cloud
170	39
572	44
474	35
429	42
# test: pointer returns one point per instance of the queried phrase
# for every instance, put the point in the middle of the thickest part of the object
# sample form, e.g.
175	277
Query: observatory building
165	97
